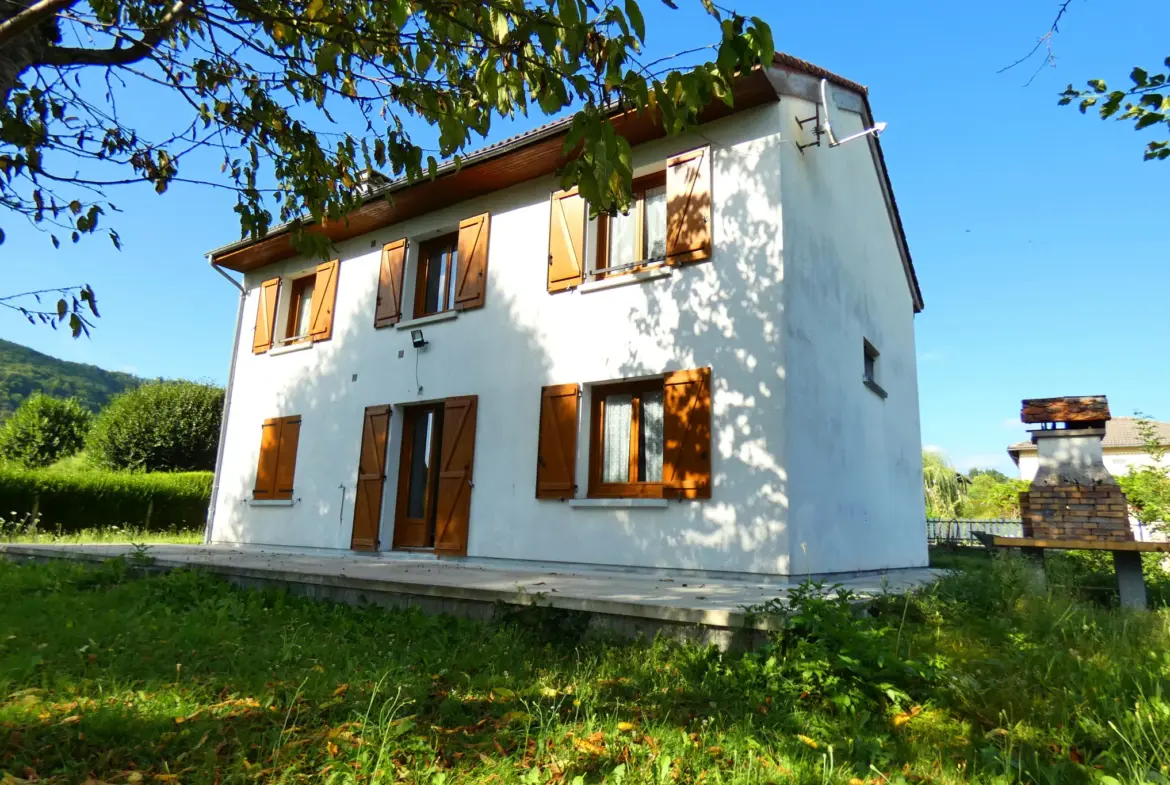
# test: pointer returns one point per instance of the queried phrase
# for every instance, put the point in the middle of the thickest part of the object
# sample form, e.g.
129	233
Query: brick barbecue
1073	496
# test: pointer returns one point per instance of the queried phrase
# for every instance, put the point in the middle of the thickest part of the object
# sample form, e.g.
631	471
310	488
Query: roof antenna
825	127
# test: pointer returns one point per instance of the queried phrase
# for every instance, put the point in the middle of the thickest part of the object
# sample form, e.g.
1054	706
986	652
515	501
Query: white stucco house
1122	447
723	381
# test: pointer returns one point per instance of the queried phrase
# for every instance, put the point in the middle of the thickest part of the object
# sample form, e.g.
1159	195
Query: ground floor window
626	444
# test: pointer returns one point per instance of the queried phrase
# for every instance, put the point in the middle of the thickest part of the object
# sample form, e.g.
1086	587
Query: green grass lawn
107	535
180	678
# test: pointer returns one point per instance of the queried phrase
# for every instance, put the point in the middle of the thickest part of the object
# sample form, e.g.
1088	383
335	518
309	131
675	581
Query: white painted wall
1118	461
854	459
728	313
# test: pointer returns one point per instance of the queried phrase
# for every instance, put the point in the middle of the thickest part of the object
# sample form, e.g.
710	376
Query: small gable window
869	372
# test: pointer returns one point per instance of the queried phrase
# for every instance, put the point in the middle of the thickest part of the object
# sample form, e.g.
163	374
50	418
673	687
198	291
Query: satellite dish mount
825	127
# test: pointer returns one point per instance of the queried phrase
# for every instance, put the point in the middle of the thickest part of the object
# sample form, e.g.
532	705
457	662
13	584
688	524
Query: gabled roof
1119	432
536	153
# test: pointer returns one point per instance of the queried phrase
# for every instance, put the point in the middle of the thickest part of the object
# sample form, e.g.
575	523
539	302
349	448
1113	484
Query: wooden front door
367	509
434	477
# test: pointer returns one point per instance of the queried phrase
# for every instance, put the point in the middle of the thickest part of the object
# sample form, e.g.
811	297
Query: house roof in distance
1119	432
539	152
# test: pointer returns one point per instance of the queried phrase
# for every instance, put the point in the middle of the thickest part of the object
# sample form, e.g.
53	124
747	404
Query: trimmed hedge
89	500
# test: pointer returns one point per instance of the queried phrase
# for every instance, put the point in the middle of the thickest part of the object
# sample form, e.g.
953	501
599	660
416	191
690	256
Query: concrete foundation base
704	611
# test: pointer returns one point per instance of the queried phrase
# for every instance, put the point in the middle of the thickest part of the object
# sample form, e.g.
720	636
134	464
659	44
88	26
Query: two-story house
722	380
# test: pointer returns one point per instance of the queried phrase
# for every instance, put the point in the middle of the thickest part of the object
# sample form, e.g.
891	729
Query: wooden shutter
265	316
389	308
266	469
556	452
471	277
688	207
686	465
324	298
367	507
286	459
453	508
566	241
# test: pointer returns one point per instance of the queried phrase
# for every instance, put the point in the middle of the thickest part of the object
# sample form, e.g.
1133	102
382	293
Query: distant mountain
24	372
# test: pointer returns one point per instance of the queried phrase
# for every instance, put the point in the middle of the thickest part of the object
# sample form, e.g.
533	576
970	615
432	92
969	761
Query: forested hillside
24	371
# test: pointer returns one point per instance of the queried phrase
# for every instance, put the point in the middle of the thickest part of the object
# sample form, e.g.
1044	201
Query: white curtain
655	216
622	234
651	433
615	443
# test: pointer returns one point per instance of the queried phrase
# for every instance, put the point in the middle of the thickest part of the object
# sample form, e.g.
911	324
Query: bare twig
1045	42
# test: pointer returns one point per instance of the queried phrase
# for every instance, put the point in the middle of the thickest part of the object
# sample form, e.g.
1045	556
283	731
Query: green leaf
62	308
1139	77
634	14
1096	84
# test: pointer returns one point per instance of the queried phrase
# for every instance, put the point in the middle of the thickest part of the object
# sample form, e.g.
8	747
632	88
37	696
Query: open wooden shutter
324	298
367	507
389	308
453	509
266	468
265	316
471	277
686	464
566	241
556	455
688	207
286	460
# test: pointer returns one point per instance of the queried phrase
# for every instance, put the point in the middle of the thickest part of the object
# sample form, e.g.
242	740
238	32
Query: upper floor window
300	308
625	242
669	221
438	267
869	368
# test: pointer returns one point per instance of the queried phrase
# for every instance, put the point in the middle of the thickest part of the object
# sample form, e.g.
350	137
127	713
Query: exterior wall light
416	339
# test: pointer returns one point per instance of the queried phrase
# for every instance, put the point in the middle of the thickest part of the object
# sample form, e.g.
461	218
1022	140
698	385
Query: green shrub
43	430
85	500
159	427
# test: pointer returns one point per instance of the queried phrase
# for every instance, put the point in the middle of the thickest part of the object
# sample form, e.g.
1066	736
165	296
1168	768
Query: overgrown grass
179	677
109	535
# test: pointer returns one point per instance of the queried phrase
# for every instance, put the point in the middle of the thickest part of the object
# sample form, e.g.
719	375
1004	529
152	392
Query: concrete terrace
626	602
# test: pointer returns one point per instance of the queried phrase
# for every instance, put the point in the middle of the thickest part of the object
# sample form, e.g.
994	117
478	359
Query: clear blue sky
1038	234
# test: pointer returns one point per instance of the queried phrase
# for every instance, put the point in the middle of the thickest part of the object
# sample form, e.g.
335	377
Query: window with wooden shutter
634	241
686	466
626	440
324	298
688	206
367	507
652	438
556	455
566	241
388	310
278	458
471	273
453	502
265	316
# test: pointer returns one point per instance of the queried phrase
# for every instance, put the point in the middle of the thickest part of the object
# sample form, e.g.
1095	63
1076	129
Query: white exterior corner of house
812	472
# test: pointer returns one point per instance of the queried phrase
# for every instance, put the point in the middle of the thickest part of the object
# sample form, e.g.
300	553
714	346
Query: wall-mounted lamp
416	339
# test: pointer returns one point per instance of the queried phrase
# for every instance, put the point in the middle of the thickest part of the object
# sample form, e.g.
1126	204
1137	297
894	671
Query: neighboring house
1122	447
723	380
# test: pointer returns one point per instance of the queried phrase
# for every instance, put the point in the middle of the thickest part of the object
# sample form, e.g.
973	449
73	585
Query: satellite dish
824	123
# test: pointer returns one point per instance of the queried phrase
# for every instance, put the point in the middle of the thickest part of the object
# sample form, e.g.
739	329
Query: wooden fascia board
529	159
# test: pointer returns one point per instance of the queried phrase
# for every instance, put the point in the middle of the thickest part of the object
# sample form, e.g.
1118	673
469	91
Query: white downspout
227	402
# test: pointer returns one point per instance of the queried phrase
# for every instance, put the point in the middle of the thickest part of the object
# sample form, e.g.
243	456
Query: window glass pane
656	223
305	309
650	436
420	456
436	280
869	367
453	269
623	233
615	441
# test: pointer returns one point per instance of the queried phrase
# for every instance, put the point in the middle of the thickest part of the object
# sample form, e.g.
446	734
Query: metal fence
961	530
